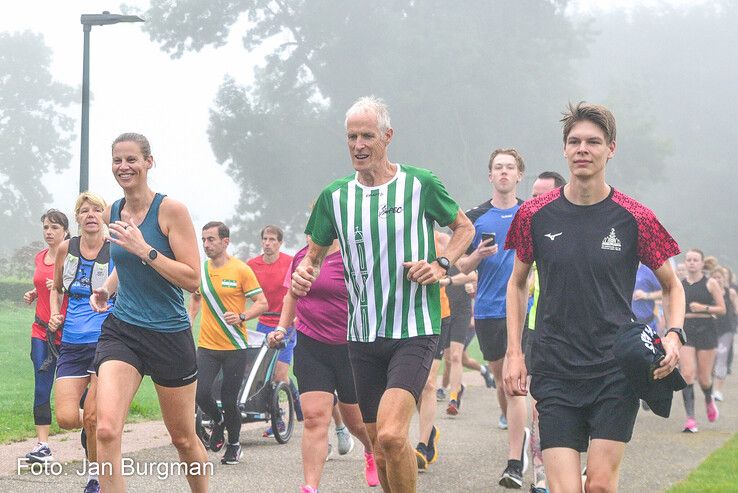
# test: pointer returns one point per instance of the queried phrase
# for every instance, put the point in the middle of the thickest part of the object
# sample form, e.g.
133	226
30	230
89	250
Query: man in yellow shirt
225	283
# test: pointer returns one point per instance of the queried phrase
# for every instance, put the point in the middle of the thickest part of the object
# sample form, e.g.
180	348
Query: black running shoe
217	436
421	455
432	447
232	454
512	477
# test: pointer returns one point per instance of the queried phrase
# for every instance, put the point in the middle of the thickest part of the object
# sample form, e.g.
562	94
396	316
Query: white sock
340	429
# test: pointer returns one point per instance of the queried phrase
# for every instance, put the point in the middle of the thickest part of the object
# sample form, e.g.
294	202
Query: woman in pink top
322	364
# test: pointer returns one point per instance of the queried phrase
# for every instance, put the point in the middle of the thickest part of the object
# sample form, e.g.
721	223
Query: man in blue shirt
647	290
493	264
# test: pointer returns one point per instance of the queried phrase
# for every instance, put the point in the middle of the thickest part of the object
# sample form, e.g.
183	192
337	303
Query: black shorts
701	333
167	357
323	367
571	412
444	341
390	363
75	360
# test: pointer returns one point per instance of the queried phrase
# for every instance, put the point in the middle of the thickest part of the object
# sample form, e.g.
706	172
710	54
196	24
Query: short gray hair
373	104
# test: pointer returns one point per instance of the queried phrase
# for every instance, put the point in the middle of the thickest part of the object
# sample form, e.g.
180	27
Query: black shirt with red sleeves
587	258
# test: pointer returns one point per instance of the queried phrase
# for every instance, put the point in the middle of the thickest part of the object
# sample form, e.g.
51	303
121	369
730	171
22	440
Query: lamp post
89	20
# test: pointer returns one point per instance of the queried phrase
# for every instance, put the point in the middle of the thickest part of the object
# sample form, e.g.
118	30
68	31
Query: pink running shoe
712	411
370	471
690	426
307	489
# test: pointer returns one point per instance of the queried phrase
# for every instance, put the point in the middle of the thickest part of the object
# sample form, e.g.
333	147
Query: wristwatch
242	316
680	332
443	262
151	256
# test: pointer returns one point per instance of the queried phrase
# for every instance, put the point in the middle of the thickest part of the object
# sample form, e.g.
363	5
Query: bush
13	289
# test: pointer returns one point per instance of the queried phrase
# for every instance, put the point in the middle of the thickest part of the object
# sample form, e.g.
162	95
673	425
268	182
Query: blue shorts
285	355
76	360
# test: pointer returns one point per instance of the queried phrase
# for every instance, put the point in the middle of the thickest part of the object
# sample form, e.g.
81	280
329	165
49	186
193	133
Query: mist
460	78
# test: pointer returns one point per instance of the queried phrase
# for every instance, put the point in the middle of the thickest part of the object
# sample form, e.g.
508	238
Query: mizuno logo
552	236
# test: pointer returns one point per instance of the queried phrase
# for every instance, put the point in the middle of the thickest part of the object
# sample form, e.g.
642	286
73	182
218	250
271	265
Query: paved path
472	455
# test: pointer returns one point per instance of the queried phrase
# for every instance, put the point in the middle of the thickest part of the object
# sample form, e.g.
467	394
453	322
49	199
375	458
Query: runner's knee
391	441
600	484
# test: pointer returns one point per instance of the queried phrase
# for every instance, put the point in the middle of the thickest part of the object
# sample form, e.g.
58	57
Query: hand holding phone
488	236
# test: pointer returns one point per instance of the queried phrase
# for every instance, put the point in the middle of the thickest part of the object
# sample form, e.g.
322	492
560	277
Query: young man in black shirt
586	239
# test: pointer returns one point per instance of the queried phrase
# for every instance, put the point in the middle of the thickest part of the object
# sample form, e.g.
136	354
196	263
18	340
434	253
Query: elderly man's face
367	144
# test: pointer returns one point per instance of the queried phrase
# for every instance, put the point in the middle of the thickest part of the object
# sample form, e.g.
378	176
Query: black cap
638	352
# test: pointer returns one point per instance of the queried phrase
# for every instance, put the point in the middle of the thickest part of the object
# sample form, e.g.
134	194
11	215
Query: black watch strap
680	333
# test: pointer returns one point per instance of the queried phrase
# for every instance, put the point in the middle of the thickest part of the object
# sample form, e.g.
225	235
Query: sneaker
524	453
712	411
489	379
370	469
93	486
40	454
502	422
717	395
421	455
537	489
690	426
329	455
432	447
232	454
307	489
269	433
217	436
453	407
345	441
441	394
512	477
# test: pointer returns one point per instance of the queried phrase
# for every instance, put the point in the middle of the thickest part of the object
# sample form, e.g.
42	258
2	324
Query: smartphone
487	236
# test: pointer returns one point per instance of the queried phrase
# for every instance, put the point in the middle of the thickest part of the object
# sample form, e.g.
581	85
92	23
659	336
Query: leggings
43	380
233	364
725	342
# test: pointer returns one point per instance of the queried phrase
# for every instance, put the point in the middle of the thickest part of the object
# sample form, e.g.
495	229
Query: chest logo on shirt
506	216
228	283
611	242
552	236
389	210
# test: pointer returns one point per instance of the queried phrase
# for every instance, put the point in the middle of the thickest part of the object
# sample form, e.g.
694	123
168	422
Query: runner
546	181
726	326
491	222
270	268
322	365
647	291
82	264
154	248
56	230
225	284
586	239
705	301
426	452
383	218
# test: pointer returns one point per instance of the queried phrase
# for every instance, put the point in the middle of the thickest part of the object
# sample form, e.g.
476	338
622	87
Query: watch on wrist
680	333
707	309
150	257
242	316
444	263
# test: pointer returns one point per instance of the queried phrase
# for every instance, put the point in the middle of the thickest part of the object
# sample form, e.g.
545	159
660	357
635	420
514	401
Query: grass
16	386
718	473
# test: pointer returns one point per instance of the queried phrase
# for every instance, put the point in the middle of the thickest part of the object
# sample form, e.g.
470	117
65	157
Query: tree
461	78
35	133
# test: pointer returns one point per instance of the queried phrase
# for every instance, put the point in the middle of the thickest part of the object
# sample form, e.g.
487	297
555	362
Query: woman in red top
56	230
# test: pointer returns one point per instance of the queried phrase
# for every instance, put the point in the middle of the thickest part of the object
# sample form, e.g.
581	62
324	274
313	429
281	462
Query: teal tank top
145	298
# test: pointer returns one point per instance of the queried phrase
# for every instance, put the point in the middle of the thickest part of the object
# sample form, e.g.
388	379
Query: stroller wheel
282	412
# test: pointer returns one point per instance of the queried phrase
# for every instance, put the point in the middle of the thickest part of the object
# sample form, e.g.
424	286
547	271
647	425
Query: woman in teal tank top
154	247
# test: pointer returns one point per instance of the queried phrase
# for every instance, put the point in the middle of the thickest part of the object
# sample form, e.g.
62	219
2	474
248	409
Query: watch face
152	254
443	262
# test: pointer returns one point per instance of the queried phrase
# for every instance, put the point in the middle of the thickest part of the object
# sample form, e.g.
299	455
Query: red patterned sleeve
519	236
655	244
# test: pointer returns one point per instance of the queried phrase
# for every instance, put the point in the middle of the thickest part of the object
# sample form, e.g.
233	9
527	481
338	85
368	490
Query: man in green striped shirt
383	217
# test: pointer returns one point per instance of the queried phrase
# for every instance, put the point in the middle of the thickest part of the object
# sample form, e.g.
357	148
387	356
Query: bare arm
307	272
176	224
734	300
423	272
285	319
515	373
674	309
718	308
56	294
195	303
469	263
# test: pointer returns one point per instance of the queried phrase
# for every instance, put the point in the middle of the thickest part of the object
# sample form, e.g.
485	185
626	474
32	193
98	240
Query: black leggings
209	364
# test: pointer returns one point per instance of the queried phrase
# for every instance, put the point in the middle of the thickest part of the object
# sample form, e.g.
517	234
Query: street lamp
89	20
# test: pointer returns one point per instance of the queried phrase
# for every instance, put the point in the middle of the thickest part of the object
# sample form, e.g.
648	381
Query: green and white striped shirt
378	229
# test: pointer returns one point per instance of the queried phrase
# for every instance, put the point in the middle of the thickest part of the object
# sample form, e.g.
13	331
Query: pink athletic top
323	313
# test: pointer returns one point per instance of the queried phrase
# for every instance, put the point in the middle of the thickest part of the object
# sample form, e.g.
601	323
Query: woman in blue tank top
154	247
82	263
